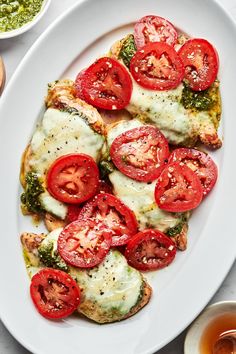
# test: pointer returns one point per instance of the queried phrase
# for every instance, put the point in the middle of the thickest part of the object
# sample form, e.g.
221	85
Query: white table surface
12	51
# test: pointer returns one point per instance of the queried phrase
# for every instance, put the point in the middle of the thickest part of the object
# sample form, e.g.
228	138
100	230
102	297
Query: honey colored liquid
220	325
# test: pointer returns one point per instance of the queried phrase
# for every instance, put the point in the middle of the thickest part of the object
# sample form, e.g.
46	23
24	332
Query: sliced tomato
73	212
178	189
84	243
54	293
75	209
157	66
200	163
104	187
149	250
78	85
119	219
154	29
201	63
73	178
140	153
107	84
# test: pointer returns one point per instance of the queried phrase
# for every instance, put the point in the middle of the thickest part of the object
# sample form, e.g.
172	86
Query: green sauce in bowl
15	14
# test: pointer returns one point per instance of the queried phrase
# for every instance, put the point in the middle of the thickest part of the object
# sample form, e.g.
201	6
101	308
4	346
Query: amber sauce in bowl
223	324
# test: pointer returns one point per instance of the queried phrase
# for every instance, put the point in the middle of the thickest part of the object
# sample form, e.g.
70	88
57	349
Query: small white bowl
28	25
193	337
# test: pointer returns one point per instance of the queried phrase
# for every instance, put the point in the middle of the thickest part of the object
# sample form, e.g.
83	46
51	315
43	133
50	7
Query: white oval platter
181	291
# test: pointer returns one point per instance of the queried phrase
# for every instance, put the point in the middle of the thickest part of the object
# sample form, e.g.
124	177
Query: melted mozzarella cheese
139	197
53	205
121	127
113	285
61	133
164	110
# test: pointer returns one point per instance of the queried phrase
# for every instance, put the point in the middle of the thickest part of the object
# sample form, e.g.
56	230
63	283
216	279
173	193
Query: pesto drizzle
128	50
176	230
30	198
199	100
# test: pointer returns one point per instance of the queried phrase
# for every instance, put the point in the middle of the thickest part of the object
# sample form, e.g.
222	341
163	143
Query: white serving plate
181	291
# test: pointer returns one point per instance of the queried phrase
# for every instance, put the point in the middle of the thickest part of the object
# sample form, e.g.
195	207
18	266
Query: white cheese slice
113	285
162	108
53	206
121	127
62	133
139	197
58	134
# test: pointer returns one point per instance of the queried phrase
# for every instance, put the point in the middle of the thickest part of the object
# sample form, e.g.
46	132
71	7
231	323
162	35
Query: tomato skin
75	209
62	299
84	243
107	84
73	212
150	250
178	189
153	151
201	63
104	187
154	29
201	163
118	218
78	85
73	178
157	66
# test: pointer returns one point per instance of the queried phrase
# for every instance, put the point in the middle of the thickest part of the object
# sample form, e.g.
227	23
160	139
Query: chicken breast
110	292
69	125
170	111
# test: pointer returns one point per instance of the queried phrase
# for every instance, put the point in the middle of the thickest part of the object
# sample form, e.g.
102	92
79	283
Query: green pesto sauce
33	189
173	231
201	101
15	14
128	50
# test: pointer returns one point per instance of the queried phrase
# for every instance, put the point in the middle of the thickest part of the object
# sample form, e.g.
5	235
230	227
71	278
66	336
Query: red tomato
73	212
140	153
118	218
84	243
178	189
73	178
104	187
107	84
154	29
157	66
201	163
54	293
78	85
150	250
75	209
201	63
